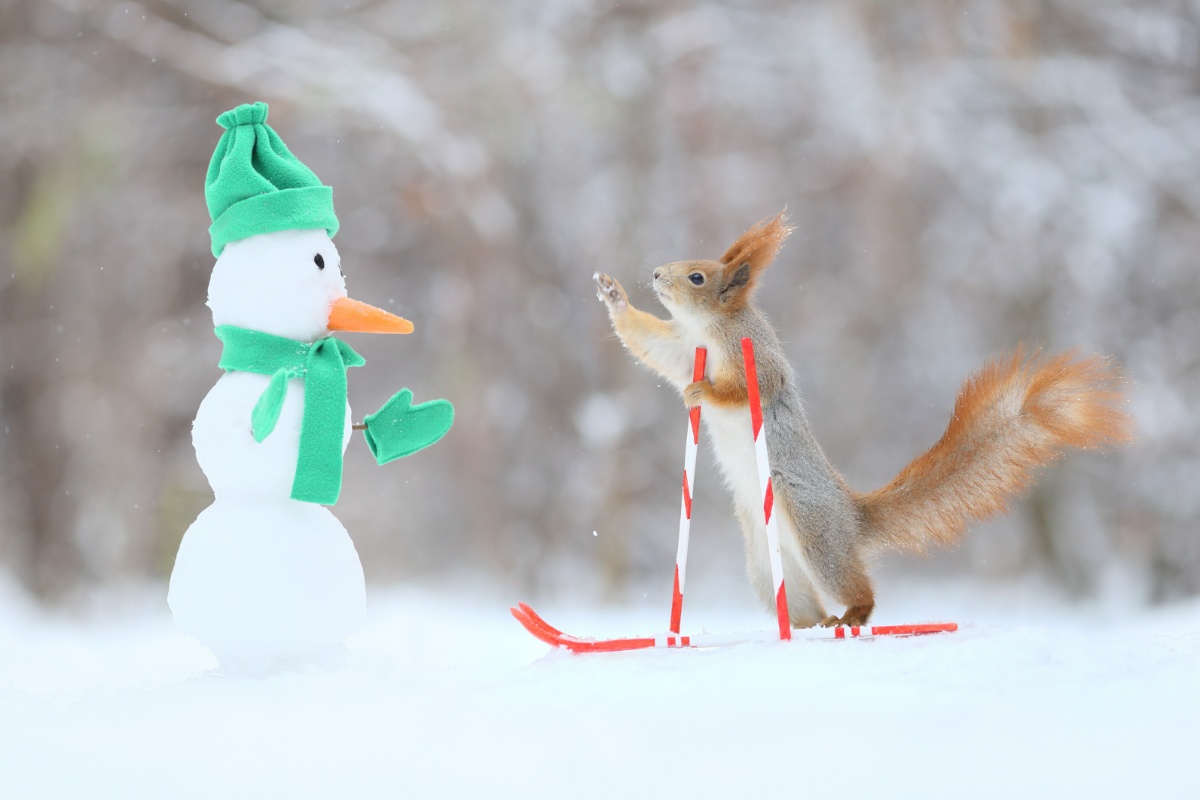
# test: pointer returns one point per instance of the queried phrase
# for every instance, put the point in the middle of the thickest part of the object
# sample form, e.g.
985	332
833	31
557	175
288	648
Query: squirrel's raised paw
608	290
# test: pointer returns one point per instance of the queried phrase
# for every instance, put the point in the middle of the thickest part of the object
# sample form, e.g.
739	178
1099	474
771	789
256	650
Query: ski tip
536	618
531	625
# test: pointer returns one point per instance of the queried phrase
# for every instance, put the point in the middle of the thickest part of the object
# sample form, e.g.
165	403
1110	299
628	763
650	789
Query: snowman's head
287	283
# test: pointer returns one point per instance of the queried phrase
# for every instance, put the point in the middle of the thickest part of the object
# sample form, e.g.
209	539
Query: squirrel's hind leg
845	579
826	540
852	587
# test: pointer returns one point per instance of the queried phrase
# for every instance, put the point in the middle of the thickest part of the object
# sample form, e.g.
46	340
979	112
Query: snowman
266	577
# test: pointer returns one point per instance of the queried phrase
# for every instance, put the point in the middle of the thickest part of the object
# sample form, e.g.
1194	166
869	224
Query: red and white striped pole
689	481
764	482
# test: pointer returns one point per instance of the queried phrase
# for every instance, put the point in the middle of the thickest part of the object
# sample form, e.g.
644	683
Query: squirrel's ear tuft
759	245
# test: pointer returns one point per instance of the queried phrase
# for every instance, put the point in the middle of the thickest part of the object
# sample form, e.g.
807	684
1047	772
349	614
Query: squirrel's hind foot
854	616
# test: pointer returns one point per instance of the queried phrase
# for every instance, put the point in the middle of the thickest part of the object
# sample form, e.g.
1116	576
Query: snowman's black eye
319	260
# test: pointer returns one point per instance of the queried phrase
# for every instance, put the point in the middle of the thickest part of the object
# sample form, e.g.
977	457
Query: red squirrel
1014	416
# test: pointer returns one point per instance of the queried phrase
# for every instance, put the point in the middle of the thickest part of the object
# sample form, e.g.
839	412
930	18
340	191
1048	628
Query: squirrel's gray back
801	472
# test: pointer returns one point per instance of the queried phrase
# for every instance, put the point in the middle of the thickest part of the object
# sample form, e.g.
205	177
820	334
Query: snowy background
964	176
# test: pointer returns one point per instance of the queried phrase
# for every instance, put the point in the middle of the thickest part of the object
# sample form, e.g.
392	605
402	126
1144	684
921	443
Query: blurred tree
964	175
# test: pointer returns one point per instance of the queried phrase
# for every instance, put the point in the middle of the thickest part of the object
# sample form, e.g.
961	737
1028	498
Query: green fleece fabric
400	429
255	185
322	366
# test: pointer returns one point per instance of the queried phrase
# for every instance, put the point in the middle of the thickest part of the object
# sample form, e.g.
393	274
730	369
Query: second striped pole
764	482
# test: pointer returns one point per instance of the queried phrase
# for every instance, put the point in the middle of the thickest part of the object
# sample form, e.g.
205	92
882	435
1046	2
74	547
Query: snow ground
444	695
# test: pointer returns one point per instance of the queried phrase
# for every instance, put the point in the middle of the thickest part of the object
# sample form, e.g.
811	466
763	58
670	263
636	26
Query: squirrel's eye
696	278
319	260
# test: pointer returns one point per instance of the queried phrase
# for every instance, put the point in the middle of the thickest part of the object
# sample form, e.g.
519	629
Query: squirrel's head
708	288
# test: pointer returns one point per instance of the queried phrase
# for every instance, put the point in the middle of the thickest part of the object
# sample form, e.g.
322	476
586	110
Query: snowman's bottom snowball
264	583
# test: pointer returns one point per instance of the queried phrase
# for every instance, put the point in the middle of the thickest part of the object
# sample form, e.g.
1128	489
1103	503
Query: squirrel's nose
657	274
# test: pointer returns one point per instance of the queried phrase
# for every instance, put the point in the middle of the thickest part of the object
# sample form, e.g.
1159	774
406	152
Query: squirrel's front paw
608	290
696	393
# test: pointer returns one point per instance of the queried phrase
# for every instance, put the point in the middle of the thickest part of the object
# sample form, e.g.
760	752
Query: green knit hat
255	185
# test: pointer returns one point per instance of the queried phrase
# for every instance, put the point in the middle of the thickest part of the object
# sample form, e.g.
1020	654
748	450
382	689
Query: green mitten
400	429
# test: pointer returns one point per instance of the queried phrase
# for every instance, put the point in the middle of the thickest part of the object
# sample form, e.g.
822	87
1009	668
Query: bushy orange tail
1011	418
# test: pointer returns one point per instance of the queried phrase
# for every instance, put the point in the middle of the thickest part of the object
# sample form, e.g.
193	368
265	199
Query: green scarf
322	366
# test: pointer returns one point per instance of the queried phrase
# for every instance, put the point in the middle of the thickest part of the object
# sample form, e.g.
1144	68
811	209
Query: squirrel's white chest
733	441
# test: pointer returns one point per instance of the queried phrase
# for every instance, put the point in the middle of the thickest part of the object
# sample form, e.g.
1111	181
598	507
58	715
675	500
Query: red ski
556	638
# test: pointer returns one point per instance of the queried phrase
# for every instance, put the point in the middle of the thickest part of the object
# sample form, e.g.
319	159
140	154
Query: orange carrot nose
351	315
